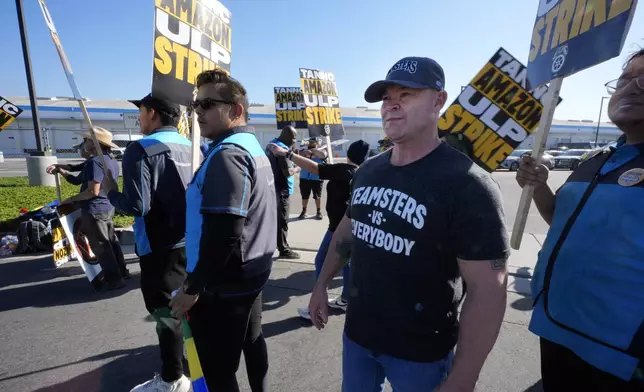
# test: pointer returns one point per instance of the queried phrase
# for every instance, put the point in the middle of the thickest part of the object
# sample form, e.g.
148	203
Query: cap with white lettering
412	72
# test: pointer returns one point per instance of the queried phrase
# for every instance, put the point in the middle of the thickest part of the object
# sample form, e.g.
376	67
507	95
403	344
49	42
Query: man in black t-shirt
338	191
422	219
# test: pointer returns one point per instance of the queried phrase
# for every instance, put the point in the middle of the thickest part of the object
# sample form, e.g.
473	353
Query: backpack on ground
33	236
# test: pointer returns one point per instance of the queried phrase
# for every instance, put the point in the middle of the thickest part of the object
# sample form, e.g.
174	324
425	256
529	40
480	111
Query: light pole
601	106
30	78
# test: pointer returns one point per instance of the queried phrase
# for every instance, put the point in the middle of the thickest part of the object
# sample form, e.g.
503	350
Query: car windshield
573	153
518	153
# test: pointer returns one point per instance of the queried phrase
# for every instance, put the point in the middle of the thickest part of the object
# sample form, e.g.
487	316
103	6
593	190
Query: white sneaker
338	303
304	313
158	385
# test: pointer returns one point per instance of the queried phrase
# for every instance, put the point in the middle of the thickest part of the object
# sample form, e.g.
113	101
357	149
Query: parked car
569	159
512	161
595	151
122	141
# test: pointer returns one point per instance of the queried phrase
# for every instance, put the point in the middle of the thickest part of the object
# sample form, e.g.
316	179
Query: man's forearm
338	254
305	163
480	322
544	198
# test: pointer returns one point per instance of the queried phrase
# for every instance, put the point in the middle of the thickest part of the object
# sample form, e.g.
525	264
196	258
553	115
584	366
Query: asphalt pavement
59	336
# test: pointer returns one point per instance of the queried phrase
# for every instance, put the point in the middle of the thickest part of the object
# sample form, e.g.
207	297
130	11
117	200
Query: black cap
412	72
159	105
358	152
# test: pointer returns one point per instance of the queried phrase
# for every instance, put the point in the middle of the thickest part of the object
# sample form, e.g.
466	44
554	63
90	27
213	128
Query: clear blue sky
109	45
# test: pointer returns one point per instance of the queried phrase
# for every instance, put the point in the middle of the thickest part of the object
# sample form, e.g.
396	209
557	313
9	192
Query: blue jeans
365	371
319	261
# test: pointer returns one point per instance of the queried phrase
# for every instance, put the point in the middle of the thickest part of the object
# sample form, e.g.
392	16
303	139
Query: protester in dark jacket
156	173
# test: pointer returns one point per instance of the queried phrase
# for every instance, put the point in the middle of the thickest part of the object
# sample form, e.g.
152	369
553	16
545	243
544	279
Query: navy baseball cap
412	72
160	105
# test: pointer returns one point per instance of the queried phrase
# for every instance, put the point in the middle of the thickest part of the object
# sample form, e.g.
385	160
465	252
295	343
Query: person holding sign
96	211
338	191
230	237
588	283
156	172
422	219
311	182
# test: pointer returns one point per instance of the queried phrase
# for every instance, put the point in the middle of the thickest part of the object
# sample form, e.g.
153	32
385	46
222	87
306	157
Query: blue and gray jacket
156	173
588	283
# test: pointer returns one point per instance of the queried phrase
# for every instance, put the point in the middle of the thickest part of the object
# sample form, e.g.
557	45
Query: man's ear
441	99
237	111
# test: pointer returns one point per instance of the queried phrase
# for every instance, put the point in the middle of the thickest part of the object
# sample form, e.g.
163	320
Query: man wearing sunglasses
588	283
156	173
230	239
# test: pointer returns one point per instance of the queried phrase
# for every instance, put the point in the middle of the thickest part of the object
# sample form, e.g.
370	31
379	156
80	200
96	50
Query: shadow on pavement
278	292
35	268
129	368
523	304
59	293
284	326
538	387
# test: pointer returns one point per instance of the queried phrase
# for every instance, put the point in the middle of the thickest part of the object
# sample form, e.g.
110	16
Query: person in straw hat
96	211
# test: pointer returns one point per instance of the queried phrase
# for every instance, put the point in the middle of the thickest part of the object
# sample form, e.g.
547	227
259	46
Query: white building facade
61	120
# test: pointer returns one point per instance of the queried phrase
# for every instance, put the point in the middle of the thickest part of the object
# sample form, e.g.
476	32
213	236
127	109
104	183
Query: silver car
512	161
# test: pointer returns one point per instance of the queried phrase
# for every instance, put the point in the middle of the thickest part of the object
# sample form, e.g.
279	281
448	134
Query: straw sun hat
102	135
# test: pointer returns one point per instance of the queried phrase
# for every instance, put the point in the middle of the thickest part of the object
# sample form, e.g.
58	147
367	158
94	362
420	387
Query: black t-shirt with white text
410	224
338	189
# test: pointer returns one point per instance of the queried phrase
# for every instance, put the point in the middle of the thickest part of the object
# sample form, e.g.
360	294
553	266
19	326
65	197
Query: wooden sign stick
537	152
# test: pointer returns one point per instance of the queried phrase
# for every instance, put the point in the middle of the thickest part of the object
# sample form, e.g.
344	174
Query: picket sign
539	148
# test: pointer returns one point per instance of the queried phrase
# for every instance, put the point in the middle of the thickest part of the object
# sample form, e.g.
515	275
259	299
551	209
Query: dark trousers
99	229
223	327
161	274
563	371
283	211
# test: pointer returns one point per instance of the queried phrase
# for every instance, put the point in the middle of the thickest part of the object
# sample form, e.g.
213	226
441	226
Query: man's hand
319	306
182	302
108	184
277	150
530	173
53	169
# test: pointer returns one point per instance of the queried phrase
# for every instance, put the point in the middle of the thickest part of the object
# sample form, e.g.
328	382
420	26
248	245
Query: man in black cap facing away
422	219
156	173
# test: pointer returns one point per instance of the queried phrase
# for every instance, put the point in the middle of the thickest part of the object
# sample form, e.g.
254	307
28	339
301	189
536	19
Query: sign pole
71	80
60	198
537	152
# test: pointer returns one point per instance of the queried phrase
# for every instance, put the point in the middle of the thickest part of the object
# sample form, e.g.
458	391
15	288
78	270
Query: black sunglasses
208	103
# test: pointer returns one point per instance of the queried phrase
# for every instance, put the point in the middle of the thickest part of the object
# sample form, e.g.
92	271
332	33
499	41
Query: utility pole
30	78
601	106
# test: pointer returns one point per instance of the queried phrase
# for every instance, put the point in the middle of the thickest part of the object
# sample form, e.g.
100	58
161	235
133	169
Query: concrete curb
125	235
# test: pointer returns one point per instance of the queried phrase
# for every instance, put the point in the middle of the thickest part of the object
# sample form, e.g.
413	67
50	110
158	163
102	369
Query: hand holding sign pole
538	149
565	40
70	78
